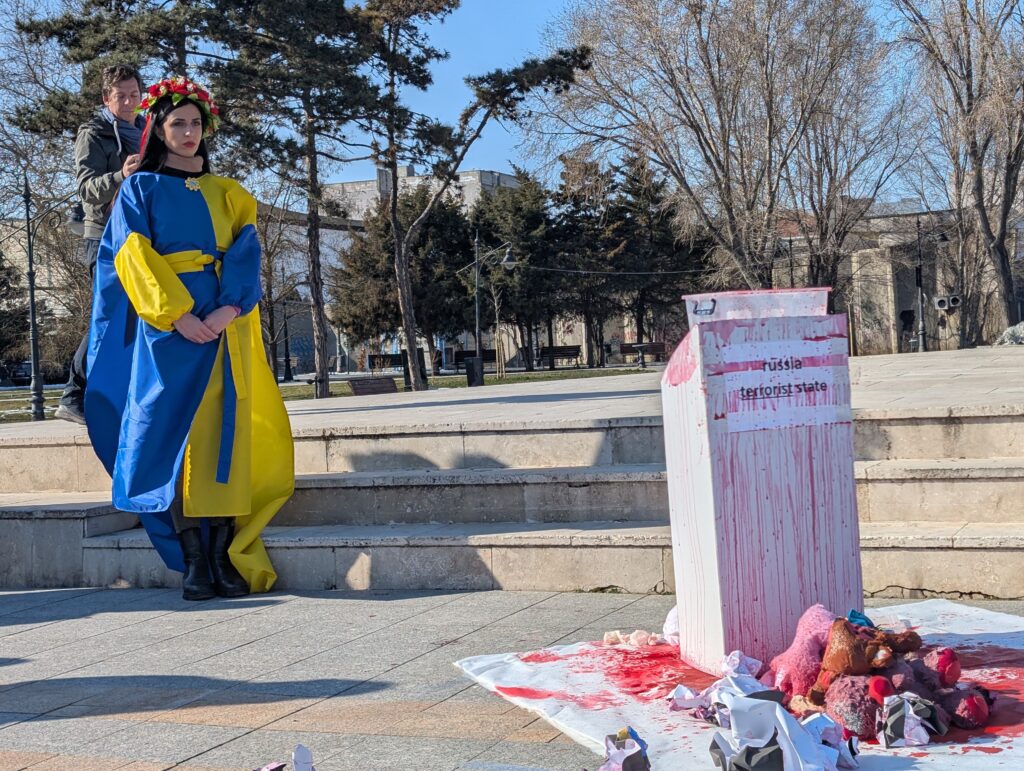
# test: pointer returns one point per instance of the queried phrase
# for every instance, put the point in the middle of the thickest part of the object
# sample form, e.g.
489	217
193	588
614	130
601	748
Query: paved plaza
140	680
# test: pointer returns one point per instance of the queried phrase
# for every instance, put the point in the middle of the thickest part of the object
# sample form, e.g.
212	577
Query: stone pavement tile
539	731
476	697
484	728
159	742
18	601
458	723
342	715
258	748
16	761
310	684
80	763
517	756
236	707
136	704
403	753
46	733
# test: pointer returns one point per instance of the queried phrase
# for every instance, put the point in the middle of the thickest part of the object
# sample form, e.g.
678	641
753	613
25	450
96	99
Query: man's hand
194	330
131	163
218	320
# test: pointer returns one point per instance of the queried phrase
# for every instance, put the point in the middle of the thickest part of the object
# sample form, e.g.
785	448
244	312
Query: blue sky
480	36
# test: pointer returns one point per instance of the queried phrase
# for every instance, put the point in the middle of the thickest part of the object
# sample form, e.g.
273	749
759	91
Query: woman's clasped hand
197	330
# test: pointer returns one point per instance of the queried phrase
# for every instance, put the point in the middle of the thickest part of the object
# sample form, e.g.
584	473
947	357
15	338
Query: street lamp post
508	262
36	386
288	374
922	338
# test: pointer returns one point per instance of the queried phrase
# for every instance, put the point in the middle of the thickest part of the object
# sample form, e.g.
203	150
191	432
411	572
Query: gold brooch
192	183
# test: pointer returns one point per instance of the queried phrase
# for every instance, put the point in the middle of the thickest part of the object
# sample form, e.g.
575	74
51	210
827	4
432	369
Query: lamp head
508	261
76	221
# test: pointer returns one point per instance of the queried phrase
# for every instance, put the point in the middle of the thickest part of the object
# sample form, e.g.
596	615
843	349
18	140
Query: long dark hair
154	151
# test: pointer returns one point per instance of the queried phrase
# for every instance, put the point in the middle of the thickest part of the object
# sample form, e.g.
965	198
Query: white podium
759	453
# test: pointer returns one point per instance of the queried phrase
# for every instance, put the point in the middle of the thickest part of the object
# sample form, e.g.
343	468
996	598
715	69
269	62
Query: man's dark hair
115	74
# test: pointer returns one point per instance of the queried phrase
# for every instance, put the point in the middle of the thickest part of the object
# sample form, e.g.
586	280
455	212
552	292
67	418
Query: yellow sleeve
151	284
243	209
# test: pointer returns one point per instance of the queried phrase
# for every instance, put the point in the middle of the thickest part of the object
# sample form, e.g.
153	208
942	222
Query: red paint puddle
651	672
591	701
540	657
645	674
1001	671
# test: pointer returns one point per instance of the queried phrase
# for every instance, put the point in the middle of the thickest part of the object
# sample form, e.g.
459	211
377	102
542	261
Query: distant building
357	197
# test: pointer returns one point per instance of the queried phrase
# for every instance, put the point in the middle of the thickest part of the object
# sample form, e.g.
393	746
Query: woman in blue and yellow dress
181	405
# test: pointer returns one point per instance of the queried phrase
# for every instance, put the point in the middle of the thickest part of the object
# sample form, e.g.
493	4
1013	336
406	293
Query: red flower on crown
179	88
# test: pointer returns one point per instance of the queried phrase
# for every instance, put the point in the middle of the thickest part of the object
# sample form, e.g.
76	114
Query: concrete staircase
576	504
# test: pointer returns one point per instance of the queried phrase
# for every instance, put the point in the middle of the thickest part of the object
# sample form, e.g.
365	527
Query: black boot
196	583
227	581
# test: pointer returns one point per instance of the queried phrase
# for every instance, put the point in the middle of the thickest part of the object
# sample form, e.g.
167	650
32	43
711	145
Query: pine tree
648	245
364	290
403	57
13	313
156	37
520	216
291	86
587	242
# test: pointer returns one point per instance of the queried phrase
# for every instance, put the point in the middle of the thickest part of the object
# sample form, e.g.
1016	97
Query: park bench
386	360
490	357
367	386
652	351
560	353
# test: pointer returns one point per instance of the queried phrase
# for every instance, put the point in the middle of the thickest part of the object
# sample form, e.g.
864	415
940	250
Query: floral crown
179	88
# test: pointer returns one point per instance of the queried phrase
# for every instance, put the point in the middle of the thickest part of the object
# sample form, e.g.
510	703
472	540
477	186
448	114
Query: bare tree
861	135
940	173
281	235
974	51
719	94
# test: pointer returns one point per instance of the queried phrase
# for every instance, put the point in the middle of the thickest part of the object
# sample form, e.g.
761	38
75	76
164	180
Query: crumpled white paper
755	721
917	731
302	759
670	630
615	756
740	672
738	664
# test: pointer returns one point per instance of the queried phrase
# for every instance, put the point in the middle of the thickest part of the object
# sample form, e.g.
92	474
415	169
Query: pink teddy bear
796	670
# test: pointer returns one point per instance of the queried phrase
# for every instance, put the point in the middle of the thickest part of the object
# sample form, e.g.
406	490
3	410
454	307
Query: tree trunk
551	341
588	337
404	281
524	345
321	383
431	350
271	340
639	313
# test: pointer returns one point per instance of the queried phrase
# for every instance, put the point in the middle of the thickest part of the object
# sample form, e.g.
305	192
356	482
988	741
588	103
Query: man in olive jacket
106	151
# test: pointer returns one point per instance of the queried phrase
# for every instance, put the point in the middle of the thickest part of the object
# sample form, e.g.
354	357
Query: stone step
941	490
977	490
57	455
910	559
41	536
568	494
981	431
60	457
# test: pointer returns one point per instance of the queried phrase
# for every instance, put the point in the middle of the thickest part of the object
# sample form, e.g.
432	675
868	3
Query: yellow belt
195	261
